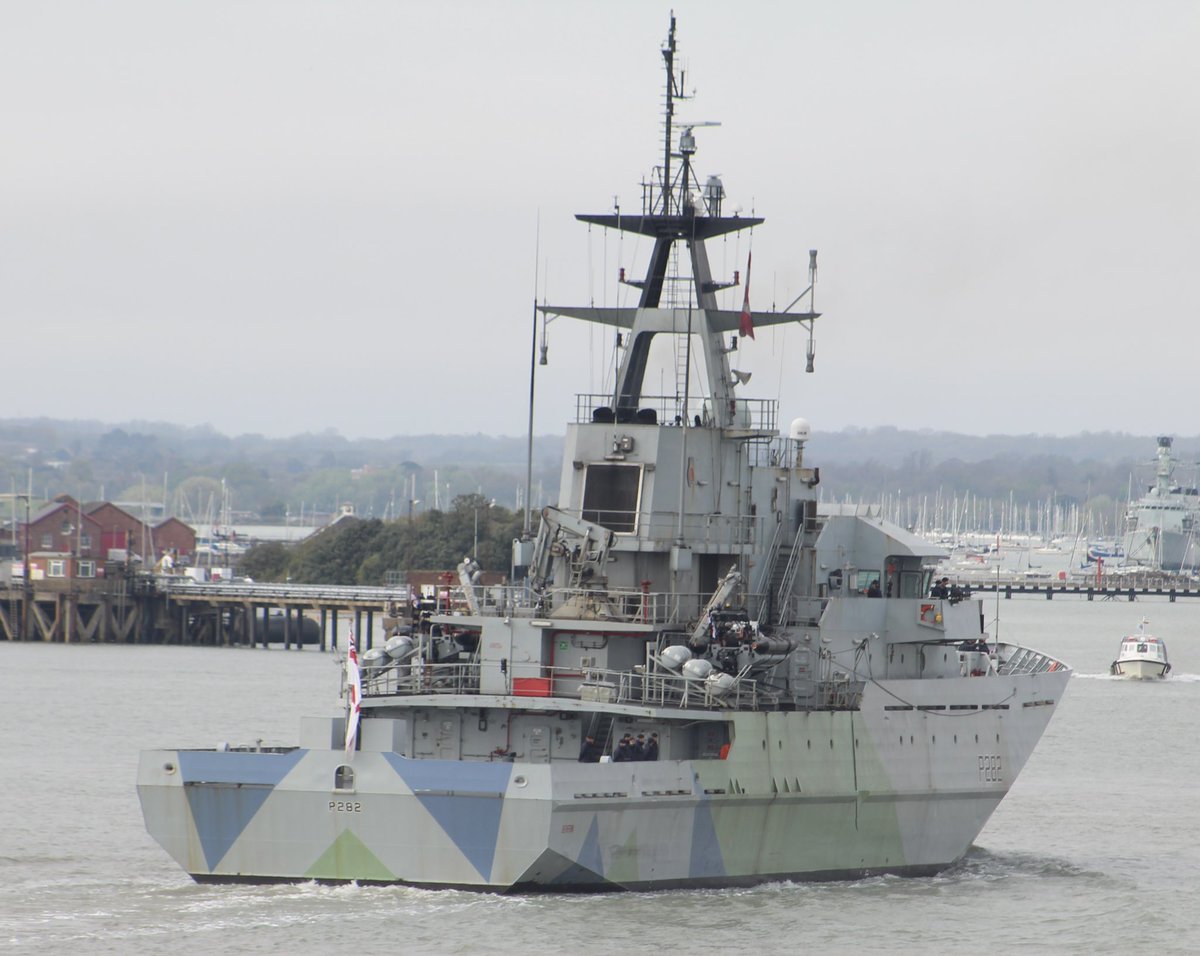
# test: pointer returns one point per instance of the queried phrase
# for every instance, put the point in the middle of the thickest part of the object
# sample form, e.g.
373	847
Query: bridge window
611	494
914	584
863	580
343	778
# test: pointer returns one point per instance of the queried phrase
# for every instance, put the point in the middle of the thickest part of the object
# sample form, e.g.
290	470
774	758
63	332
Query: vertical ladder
600	728
806	535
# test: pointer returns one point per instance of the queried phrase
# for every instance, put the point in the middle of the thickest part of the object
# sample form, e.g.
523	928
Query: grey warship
700	675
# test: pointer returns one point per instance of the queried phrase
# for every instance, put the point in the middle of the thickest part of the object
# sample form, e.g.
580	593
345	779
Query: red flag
746	322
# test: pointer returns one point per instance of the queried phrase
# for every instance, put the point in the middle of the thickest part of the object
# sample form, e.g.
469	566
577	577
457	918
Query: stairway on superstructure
786	563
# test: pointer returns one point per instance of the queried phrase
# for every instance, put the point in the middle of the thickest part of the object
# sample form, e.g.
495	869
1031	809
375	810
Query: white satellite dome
800	430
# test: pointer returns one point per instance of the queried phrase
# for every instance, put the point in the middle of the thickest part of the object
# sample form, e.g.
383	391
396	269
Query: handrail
657	688
251	591
751	414
1025	660
783	605
661	689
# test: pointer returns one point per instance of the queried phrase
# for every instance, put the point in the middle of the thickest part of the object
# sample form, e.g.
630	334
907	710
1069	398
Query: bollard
1171	596
1090	594
1008	592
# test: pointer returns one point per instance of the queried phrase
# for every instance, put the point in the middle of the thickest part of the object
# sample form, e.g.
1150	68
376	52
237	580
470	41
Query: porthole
168	767
520	780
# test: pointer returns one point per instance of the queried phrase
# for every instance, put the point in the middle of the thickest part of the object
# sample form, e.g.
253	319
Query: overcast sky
294	216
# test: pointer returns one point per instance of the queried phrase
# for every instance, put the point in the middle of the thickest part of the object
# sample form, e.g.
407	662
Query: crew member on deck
590	751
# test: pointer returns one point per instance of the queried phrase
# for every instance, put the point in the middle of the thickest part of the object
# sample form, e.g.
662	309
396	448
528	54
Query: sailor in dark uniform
651	751
590	751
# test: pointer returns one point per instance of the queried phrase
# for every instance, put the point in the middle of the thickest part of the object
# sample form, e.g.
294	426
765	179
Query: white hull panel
1140	670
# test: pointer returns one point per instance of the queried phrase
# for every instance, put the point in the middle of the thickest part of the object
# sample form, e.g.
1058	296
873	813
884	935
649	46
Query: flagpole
746	320
354	694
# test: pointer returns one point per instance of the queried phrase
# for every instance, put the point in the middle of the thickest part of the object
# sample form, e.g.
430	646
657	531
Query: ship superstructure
1162	527
705	677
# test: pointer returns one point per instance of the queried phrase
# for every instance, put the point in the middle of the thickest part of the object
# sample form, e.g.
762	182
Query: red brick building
97	532
62	528
119	530
175	536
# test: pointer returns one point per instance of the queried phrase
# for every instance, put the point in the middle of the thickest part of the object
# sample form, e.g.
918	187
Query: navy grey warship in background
769	689
1162	527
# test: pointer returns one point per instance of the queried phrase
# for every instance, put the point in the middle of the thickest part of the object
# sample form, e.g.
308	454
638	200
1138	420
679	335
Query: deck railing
746	414
1024	660
661	689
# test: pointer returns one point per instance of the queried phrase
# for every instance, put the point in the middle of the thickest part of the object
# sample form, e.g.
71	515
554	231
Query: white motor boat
1142	656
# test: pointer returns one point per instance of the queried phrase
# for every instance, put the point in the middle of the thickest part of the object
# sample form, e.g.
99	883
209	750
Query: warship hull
700	675
801	795
1162	550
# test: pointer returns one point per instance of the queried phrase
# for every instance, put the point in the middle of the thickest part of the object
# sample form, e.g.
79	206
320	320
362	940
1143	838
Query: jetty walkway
154	609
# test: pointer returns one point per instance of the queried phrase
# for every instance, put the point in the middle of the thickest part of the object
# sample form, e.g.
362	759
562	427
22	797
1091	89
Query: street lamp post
475	546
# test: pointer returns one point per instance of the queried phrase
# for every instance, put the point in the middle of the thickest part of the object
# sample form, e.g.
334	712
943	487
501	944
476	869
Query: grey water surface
1095	850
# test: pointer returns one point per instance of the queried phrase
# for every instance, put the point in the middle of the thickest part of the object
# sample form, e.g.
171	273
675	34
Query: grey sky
290	216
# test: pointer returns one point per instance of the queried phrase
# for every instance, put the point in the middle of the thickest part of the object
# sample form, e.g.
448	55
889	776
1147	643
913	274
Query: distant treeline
373	552
196	470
